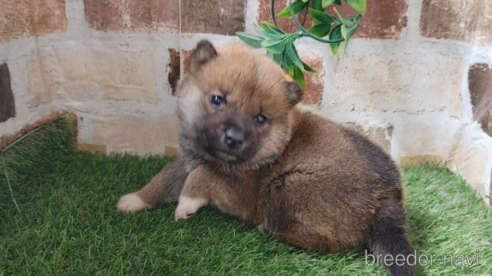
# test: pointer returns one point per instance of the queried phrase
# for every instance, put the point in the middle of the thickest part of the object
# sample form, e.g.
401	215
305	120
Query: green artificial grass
68	223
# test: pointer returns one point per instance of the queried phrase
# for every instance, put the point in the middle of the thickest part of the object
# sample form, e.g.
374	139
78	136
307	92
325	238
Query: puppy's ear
203	53
294	92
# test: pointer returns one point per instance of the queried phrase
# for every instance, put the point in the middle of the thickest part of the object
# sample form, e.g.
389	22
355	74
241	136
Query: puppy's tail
387	236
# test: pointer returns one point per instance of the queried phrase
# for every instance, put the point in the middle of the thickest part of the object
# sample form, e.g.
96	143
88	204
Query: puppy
246	148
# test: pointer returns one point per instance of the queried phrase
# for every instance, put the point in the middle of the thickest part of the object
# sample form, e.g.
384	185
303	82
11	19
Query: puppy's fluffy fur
247	149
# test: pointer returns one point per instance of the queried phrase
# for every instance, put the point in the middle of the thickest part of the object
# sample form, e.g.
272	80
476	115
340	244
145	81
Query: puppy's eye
217	100
260	119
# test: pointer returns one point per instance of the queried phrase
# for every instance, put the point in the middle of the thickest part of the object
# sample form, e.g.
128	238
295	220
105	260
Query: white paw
261	228
131	203
188	206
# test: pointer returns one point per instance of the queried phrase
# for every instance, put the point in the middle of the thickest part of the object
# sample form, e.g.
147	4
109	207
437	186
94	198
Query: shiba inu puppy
248	149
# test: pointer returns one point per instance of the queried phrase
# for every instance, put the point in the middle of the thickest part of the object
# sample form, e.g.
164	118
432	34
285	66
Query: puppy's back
334	180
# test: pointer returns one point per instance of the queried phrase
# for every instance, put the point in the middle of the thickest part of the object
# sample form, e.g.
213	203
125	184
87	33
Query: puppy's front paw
188	206
261	228
131	203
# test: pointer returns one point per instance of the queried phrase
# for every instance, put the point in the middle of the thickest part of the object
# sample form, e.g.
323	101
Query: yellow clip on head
288	78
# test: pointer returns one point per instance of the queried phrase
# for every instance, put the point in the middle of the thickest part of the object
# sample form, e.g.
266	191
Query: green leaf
251	40
320	30
297	7
317	5
278	59
335	34
345	21
269	33
320	16
344	48
358	5
326	3
274	46
308	68
305	1
299	77
287	65
338	2
346	34
271	28
292	53
334	47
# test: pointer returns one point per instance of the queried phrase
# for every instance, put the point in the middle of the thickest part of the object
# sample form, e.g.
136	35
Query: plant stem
8	182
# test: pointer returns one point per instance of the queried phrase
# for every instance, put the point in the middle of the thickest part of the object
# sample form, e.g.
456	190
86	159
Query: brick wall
416	78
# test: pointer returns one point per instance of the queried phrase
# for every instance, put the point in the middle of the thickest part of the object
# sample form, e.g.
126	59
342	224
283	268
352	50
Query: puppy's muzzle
233	137
228	136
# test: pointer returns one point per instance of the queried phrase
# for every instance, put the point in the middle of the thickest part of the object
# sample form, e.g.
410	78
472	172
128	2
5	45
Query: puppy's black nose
233	137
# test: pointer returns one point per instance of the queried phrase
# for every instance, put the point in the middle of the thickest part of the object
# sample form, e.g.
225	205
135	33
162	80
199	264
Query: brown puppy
246	148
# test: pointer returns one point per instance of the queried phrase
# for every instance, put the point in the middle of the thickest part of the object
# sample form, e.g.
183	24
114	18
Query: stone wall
417	76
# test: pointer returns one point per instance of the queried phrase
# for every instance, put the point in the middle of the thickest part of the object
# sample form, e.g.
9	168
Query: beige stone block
424	139
446	19
416	160
472	159
47	16
14	19
92	148
381	136
397	83
171	126
462	147
142	135
140	16
171	151
213	16
19	18
468	20
91	74
482	35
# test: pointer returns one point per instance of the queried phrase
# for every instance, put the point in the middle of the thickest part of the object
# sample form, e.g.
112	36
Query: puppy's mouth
226	156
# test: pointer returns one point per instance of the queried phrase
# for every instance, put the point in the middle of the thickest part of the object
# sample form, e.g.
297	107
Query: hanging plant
326	28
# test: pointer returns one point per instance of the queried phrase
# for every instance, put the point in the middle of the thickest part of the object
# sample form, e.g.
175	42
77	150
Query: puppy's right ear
294	91
203	53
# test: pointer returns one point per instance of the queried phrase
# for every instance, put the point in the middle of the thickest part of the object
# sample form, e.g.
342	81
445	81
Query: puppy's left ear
203	53
294	92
